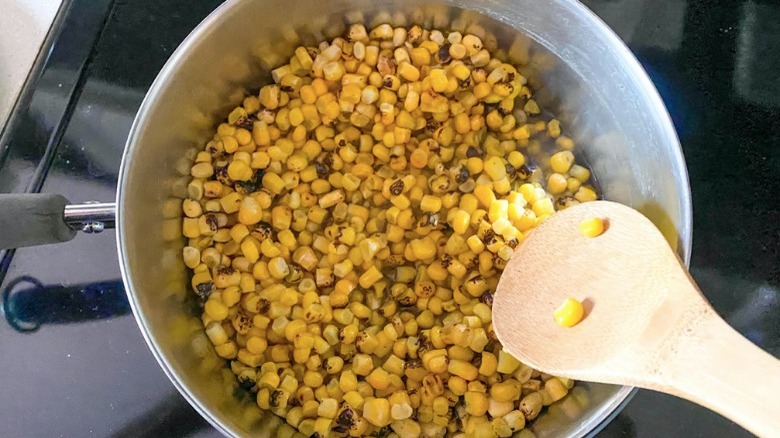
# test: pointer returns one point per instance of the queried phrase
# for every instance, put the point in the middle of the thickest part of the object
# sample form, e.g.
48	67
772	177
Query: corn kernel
569	313
592	227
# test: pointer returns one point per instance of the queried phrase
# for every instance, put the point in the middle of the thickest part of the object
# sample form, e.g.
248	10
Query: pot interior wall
580	71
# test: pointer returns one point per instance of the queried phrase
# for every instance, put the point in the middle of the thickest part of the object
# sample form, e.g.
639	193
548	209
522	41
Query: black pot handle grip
30	219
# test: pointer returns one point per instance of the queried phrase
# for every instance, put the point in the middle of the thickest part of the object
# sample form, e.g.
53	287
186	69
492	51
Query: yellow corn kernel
328	408
251	249
489	364
485	195
556	389
231	202
569	313
461	221
476	403
227	350
554	128
562	161
216	310
475	244
495	168
273	183
543	207
557	183
371	276
423	249
408	71
592	227
278	268
585	194
430	203
505	391
379	379
331	199
438	80
362	364
579	172
377	411
564	142
507	363
463	369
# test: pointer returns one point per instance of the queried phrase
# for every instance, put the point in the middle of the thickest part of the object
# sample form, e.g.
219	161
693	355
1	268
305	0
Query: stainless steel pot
579	68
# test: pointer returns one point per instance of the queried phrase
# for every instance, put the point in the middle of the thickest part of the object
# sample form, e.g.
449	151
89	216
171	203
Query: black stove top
75	363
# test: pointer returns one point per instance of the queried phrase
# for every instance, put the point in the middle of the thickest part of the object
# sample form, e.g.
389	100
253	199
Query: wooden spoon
646	323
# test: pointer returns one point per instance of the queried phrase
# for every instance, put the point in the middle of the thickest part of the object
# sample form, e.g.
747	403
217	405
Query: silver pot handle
90	217
31	219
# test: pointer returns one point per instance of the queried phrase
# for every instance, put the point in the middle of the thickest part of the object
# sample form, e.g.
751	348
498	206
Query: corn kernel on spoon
645	322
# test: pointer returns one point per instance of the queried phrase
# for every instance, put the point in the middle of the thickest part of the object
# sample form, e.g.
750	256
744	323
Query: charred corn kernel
292	329
515	420
569	313
472	43
531	405
592	227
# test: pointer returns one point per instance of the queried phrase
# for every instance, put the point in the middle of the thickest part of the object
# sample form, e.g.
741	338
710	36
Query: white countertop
23	27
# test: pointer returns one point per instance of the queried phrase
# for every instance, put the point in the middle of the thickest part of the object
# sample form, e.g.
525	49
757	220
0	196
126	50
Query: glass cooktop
74	362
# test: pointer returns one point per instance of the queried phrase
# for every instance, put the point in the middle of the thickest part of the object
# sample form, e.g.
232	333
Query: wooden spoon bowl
646	323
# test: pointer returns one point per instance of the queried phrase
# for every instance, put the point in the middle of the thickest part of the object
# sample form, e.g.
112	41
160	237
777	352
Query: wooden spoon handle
716	367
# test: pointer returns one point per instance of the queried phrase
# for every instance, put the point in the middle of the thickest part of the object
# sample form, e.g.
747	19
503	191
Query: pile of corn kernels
348	225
